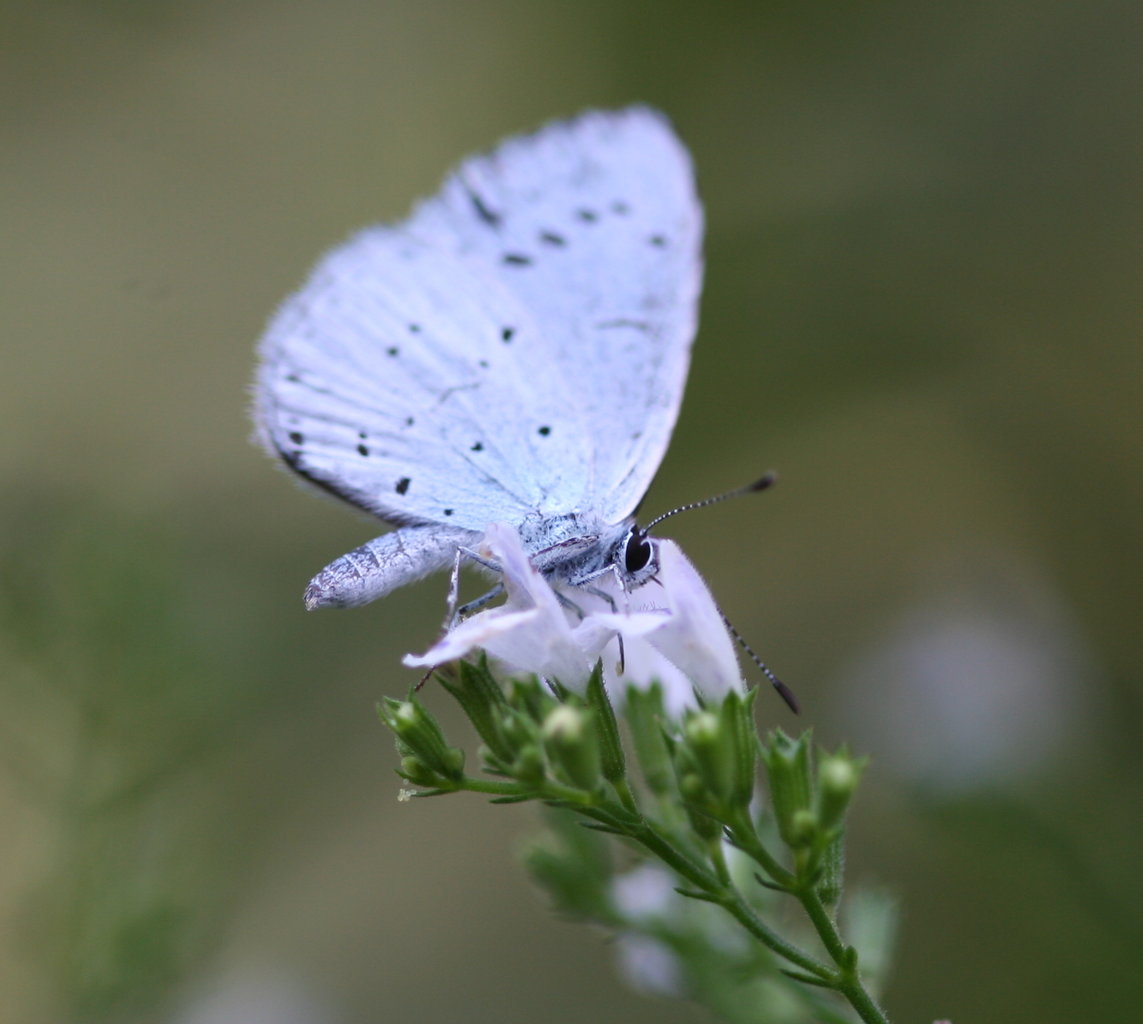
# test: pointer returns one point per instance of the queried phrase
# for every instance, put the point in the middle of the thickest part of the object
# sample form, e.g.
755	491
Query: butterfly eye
637	553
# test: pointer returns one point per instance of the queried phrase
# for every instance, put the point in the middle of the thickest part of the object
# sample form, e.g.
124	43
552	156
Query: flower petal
482	630
695	639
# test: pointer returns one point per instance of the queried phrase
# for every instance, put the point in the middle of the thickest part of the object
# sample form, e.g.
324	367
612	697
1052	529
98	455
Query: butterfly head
636	557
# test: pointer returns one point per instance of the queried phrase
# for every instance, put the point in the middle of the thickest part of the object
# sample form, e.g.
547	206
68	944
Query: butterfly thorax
577	548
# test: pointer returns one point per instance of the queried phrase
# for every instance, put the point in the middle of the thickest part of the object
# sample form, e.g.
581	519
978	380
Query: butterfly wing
519	345
595	225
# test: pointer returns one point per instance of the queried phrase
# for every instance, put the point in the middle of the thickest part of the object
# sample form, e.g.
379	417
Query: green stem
727	897
715	885
743	836
718	859
741	911
823	924
626	796
861	1001
847	979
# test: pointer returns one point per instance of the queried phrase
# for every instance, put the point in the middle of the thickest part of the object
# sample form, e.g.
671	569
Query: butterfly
515	351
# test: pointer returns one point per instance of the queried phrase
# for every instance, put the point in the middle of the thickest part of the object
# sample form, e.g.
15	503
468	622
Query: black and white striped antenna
761	484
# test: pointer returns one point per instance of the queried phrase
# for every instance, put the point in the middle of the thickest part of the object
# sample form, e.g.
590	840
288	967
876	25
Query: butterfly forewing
519	345
594	223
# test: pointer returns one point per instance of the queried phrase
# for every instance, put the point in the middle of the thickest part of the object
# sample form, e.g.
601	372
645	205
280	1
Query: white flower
671	629
693	640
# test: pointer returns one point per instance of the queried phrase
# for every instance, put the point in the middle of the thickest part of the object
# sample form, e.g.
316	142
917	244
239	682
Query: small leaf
807	979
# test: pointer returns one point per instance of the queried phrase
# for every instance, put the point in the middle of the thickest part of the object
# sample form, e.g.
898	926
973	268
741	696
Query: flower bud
478	693
612	759
787	764
419	735
417	772
643	710
737	717
705	738
838	776
573	745
803	829
528	764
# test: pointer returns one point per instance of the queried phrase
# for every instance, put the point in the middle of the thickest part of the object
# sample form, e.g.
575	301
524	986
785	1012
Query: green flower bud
691	786
419	735
528	765
572	743
517	729
737	716
530	698
417	772
712	749
479	694
803	829
612	758
838	776
643	710
787	764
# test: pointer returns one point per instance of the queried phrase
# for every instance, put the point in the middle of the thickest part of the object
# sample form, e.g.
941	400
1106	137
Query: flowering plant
687	863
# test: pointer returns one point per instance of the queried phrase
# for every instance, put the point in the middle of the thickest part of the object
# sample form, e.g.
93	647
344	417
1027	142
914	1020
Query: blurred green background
922	308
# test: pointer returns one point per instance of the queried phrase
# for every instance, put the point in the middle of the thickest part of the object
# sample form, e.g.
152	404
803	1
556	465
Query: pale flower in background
984	680
645	893
671	629
649	966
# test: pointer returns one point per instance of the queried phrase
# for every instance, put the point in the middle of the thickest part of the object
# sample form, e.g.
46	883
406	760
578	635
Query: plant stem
847	979
727	897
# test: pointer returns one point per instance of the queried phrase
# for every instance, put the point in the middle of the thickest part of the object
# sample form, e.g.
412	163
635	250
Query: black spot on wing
516	259
544	431
478	447
363	451
402	485
553	239
506	334
485	212
297	437
294	459
587	216
658	241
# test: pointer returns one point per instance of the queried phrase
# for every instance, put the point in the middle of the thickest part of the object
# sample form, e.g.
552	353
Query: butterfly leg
453	591
614	607
465	610
567	602
455	613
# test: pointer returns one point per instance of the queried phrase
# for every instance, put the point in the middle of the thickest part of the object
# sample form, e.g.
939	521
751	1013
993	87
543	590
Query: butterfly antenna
783	690
763	482
758	485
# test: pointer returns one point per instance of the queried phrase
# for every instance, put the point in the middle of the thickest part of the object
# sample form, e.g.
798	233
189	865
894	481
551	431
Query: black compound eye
637	553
